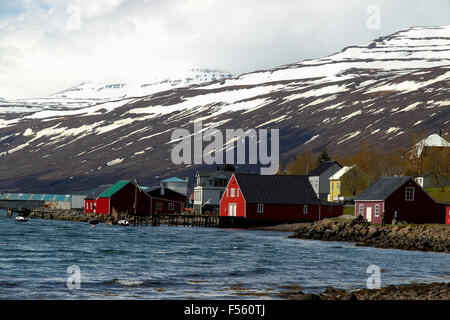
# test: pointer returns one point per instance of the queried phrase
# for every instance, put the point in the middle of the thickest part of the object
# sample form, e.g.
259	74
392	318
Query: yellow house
348	181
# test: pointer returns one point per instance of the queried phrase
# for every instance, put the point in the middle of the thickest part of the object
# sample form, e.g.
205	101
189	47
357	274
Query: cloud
49	45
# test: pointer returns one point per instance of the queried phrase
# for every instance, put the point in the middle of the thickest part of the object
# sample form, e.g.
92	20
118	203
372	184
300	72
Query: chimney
440	133
162	190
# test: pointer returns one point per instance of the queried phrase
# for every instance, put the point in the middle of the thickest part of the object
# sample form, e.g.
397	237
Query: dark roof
94	193
279	189
212	173
382	188
322	167
156	192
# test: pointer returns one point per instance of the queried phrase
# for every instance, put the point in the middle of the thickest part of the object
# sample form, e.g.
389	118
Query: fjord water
189	263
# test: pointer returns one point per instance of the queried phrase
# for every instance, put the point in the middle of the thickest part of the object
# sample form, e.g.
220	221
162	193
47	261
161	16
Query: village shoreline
434	238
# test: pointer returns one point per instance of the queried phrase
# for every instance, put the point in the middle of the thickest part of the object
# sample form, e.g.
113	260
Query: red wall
372	205
422	210
88	204
179	204
123	201
102	205
227	199
293	212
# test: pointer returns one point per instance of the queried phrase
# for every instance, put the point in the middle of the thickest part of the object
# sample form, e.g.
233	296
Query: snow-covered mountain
91	90
382	92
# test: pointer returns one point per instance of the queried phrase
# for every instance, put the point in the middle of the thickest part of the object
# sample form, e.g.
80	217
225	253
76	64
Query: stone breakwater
422	291
406	237
67	215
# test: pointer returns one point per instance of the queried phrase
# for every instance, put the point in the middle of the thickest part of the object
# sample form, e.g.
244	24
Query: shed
166	201
91	198
402	195
125	197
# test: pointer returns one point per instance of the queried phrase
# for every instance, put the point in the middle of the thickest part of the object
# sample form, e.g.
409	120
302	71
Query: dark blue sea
163	262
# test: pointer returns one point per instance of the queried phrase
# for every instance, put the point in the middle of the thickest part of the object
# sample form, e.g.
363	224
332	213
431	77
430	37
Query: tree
302	164
436	162
324	156
354	181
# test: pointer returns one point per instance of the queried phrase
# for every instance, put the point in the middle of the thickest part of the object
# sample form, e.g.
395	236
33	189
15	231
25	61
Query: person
395	218
383	220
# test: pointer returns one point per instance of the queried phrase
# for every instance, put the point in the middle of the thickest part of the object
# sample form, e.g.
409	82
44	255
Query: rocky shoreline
414	291
405	237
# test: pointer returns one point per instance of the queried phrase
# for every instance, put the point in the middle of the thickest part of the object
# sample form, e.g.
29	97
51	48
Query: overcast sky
49	45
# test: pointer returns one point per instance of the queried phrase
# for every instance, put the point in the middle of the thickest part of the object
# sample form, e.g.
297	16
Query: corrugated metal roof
49	197
37	196
173	179
114	188
382	188
276	189
62	197
322	167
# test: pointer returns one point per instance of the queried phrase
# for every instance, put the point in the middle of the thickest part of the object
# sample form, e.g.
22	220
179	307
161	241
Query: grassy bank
440	194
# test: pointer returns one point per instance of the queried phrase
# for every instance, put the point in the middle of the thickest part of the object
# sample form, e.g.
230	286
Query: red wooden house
402	195
91	199
251	199
166	201
124	197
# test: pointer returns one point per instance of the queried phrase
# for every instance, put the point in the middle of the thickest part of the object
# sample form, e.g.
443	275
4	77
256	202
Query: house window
361	209
232	192
305	209
409	194
170	205
158	206
260	208
377	210
237	192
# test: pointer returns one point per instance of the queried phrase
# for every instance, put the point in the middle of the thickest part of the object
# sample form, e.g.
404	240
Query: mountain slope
383	92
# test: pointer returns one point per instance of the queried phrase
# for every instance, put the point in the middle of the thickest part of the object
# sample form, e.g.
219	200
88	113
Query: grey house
320	178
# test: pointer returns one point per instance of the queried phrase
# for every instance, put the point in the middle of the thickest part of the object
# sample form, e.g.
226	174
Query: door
232	209
369	214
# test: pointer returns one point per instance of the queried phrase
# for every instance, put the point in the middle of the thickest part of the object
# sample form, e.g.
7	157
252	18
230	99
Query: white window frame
260	208
232	192
411	198
159	206
171	206
305	209
361	209
377	210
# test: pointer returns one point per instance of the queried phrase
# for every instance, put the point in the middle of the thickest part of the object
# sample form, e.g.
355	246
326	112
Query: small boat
93	221
21	219
123	223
